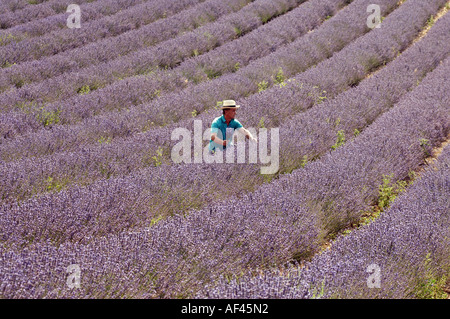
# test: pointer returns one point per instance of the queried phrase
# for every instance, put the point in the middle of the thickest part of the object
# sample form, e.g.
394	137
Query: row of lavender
18	26
109	206
15	5
69	158
29	176
109	26
36	12
52	15
147	57
222	60
408	248
179	256
112	48
315	46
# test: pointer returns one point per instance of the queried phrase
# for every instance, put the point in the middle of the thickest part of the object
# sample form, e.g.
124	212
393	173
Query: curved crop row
32	176
179	256
8	6
343	184
64	39
246	81
121	157
166	54
52	15
408	245
108	49
111	48
225	59
52	21
145	194
136	160
36	12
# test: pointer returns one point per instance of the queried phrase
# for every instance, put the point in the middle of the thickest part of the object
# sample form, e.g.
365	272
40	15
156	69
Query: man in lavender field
223	127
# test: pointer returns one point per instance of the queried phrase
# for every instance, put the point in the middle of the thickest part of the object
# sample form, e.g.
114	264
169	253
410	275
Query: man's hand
247	134
251	138
218	140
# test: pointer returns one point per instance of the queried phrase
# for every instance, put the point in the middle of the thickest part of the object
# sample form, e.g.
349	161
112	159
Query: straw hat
228	104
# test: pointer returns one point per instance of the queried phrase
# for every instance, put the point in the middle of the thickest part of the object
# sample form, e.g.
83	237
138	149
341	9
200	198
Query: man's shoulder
237	124
217	120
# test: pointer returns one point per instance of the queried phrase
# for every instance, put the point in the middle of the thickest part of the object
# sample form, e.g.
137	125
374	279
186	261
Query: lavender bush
316	135
50	43
38	11
112	47
309	15
126	198
51	15
202	39
222	60
113	232
179	256
201	97
409	243
16	5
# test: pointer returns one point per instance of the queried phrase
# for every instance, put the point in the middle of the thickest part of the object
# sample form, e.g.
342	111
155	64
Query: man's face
230	114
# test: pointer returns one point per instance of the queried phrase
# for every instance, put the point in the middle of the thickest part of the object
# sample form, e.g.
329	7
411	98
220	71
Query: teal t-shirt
219	126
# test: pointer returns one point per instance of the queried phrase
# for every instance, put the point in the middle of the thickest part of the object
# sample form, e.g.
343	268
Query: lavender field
108	188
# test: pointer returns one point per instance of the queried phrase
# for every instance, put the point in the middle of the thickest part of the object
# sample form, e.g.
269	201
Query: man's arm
247	134
218	140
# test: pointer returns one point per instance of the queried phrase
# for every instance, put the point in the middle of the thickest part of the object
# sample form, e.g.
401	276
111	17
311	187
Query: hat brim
230	107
